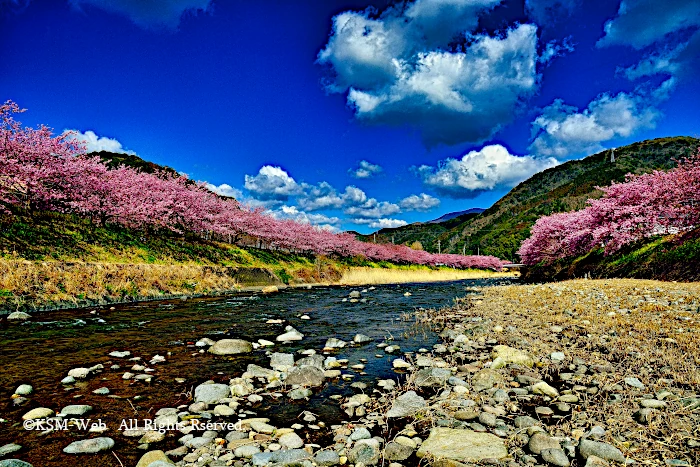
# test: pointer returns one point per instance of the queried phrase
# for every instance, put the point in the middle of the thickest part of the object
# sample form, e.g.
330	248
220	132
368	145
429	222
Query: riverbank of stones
596	373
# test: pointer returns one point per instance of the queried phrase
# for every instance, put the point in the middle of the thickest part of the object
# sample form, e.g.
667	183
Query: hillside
500	229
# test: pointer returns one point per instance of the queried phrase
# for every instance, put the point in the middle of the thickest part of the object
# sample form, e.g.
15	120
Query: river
43	349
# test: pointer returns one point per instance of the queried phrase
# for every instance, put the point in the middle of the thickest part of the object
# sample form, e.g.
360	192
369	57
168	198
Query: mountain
452	215
500	229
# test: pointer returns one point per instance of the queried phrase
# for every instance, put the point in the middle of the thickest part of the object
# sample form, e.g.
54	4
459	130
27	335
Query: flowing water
42	350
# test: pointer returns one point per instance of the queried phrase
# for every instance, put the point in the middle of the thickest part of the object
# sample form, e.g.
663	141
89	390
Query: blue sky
355	114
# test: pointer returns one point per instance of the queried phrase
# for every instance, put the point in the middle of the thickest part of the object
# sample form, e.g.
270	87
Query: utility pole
464	249
375	237
392	240
439	247
612	156
477	251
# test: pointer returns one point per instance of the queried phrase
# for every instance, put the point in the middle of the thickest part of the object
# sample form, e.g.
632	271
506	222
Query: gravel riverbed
594	373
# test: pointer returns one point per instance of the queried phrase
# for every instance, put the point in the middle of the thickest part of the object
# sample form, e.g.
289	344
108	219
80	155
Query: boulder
89	446
231	347
405	405
211	393
305	376
154	456
504	355
462	445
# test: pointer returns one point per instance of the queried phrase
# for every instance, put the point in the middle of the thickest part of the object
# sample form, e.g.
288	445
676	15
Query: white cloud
95	143
562	130
373	209
293	213
555	49
272	183
384	223
365	170
398	68
225	190
478	171
422	202
164	14
545	12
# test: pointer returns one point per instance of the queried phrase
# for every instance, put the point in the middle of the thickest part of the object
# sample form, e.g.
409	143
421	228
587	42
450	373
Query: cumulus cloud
398	68
373	209
562	130
163	14
225	190
380	223
478	171
640	23
555	49
548	11
293	213
365	170
272	184
422	202
95	143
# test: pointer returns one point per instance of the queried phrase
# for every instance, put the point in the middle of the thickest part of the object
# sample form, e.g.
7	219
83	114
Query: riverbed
42	350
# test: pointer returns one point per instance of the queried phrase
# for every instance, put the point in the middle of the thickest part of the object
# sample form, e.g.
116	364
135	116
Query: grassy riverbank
54	259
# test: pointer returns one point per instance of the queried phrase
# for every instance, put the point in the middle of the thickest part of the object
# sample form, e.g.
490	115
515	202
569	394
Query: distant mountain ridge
500	229
452	215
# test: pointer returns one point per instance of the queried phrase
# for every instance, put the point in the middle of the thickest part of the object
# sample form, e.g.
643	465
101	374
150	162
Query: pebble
89	446
24	390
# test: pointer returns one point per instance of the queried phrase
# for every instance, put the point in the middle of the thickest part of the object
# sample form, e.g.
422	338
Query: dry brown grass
31	284
641	328
368	276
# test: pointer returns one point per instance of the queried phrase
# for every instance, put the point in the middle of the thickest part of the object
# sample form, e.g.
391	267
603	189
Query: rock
18	316
397	452
24	390
544	389
504	355
231	347
312	360
644	415
361	339
326	458
360	433
75	410
305	376
594	461
14	463
89	446
634	382
401	364
255	371
211	393
224	411
487	419
281	458
240	387
154	456
121	354
486	379
262	427
166	420
101	391
247	451
365	451
38	413
9	449
152	437
79	373
68	380
603	450
291	335
556	456
524	422
405	405
282	361
430	377
354	294
300	393
541	441
652	404
270	289
291	441
462	445
557	356
335	343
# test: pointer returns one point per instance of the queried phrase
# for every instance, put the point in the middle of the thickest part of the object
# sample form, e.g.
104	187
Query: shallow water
42	350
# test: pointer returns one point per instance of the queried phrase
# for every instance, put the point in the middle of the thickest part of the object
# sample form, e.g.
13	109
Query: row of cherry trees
643	206
39	171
